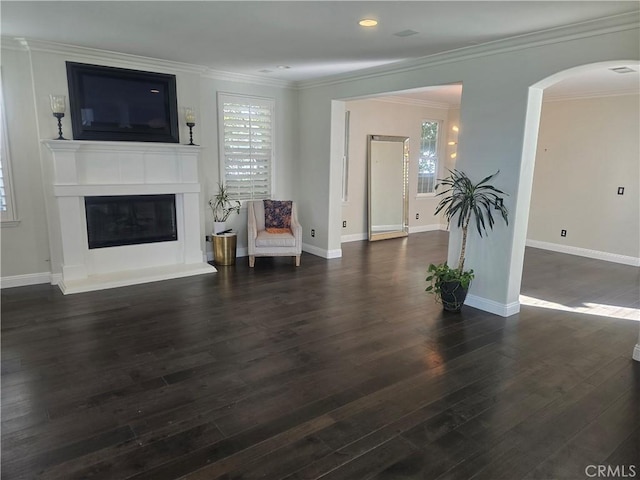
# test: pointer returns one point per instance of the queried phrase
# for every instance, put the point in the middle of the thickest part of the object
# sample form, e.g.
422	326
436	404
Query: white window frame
223	97
438	171
8	217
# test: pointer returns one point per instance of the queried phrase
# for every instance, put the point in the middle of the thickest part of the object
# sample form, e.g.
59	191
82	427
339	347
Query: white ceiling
314	38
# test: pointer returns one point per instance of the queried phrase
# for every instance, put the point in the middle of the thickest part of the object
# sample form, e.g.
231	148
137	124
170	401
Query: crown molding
616	23
94	54
588	96
246	78
413	102
136	61
612	24
10	43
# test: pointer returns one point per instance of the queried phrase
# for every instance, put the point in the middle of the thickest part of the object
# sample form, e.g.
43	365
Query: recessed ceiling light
284	67
265	71
622	70
368	22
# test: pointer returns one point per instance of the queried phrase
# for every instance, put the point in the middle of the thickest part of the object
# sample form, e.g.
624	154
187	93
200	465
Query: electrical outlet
313	232
344	224
417	216
563	233
207	238
620	190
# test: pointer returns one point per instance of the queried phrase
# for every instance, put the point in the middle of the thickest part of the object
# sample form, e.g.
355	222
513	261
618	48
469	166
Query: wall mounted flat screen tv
119	104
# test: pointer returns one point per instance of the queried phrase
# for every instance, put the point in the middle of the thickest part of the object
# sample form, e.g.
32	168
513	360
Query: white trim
321	252
501	309
247	78
585	252
10	216
26	279
414	102
636	352
427	228
96	54
354	237
588	96
133	277
138	61
591	28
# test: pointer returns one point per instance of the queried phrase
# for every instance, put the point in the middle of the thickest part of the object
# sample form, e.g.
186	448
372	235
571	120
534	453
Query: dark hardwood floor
338	369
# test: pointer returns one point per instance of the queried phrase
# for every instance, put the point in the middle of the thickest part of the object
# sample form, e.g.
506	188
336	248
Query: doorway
583	233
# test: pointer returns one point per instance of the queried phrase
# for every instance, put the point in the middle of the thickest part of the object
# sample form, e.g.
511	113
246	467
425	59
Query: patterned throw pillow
277	216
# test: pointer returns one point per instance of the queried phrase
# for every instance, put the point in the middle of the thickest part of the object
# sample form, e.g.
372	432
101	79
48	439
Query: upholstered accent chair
264	244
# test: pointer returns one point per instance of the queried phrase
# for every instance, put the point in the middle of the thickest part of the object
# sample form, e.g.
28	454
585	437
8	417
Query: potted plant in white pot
222	206
465	201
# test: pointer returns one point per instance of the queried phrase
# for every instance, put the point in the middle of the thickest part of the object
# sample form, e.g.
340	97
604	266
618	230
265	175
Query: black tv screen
119	104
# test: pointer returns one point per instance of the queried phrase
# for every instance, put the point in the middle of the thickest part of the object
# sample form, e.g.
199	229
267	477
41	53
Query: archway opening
581	164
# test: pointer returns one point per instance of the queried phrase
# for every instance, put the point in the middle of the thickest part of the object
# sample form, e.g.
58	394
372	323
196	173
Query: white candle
58	103
189	115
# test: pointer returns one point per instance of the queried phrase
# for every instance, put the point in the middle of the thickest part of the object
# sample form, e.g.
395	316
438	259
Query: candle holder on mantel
58	107
190	118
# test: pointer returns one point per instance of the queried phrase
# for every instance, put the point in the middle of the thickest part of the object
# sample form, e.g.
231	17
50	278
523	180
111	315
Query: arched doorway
588	142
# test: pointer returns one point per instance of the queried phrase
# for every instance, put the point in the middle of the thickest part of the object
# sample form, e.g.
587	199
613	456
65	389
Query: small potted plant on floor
465	201
222	206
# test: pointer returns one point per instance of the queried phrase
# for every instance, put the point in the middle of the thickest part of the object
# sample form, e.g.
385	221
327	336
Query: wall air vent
622	70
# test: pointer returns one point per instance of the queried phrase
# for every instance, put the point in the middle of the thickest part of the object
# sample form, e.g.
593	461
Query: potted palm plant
464	201
222	206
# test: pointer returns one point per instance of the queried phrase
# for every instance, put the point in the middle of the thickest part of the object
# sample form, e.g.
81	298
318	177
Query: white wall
284	149
29	78
384	117
25	247
493	117
588	148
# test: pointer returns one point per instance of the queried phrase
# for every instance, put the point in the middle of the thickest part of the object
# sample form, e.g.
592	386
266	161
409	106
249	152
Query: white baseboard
502	309
27	279
321	252
427	228
585	252
354	237
636	352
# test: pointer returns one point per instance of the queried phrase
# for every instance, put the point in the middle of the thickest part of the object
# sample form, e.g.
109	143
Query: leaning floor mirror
388	186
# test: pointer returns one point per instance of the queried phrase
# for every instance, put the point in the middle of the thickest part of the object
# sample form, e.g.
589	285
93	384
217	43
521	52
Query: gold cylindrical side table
224	248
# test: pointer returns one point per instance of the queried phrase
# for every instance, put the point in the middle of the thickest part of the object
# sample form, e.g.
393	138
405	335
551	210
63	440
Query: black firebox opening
130	219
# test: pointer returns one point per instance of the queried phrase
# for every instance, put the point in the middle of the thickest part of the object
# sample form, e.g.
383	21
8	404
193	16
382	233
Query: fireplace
140	199
113	221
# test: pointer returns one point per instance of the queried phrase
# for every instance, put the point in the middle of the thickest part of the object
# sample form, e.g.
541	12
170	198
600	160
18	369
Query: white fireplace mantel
77	169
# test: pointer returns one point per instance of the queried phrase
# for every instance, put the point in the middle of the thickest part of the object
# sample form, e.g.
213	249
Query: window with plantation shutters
246	145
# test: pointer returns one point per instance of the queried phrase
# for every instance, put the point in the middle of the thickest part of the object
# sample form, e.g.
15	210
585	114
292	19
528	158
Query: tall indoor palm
463	201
